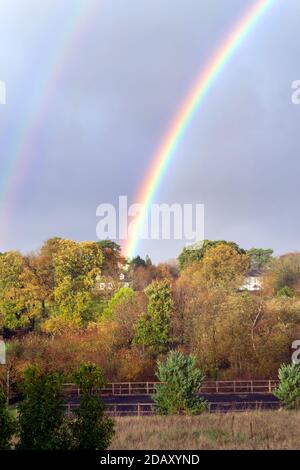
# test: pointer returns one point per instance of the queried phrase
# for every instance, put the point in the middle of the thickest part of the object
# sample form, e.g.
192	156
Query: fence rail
239	386
147	409
209	387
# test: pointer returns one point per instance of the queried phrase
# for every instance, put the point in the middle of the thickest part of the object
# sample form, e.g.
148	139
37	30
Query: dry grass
251	430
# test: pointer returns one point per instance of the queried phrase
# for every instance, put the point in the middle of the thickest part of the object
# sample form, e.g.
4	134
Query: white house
252	283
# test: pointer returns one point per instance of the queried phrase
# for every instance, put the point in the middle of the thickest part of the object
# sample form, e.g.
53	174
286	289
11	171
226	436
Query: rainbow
186	113
21	153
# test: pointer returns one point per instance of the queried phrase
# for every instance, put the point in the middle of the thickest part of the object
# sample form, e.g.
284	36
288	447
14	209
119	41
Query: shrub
285	291
178	391
288	390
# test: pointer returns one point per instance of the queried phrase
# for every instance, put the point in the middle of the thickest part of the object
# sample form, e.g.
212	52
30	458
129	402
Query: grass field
252	430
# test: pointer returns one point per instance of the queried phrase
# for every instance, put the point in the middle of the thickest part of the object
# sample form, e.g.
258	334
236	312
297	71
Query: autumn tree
77	272
207	297
284	272
20	294
113	260
224	265
43	266
122	313
197	251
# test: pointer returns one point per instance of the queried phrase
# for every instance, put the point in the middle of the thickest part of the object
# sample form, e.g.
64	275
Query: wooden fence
147	409
209	387
239	386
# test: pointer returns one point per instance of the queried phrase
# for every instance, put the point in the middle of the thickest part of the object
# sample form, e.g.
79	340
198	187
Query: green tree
288	390
178	392
153	327
7	424
91	429
260	258
41	413
138	262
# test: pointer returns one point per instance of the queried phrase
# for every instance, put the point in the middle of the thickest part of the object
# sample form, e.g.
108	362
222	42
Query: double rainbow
21	152
186	114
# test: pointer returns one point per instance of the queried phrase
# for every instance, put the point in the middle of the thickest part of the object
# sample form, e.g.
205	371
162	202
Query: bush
7	424
41	414
91	429
288	390
285	291
180	383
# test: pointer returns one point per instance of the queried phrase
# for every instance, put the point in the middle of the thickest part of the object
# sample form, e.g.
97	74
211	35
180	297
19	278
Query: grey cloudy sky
122	81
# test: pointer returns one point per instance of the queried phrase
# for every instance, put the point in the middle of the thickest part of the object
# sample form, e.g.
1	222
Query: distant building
124	281
109	284
253	282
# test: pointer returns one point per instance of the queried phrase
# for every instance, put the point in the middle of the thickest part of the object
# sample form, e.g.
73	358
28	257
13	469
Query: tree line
82	301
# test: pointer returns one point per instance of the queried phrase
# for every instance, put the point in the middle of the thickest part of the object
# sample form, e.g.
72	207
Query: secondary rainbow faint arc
187	112
21	152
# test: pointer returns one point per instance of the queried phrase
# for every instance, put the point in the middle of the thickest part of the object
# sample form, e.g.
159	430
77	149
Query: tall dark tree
91	429
138	262
153	328
7	424
41	413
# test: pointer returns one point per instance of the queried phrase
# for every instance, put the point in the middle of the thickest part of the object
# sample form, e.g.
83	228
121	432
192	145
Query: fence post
270	387
251	386
129	389
234	388
217	386
113	388
139	409
147	388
